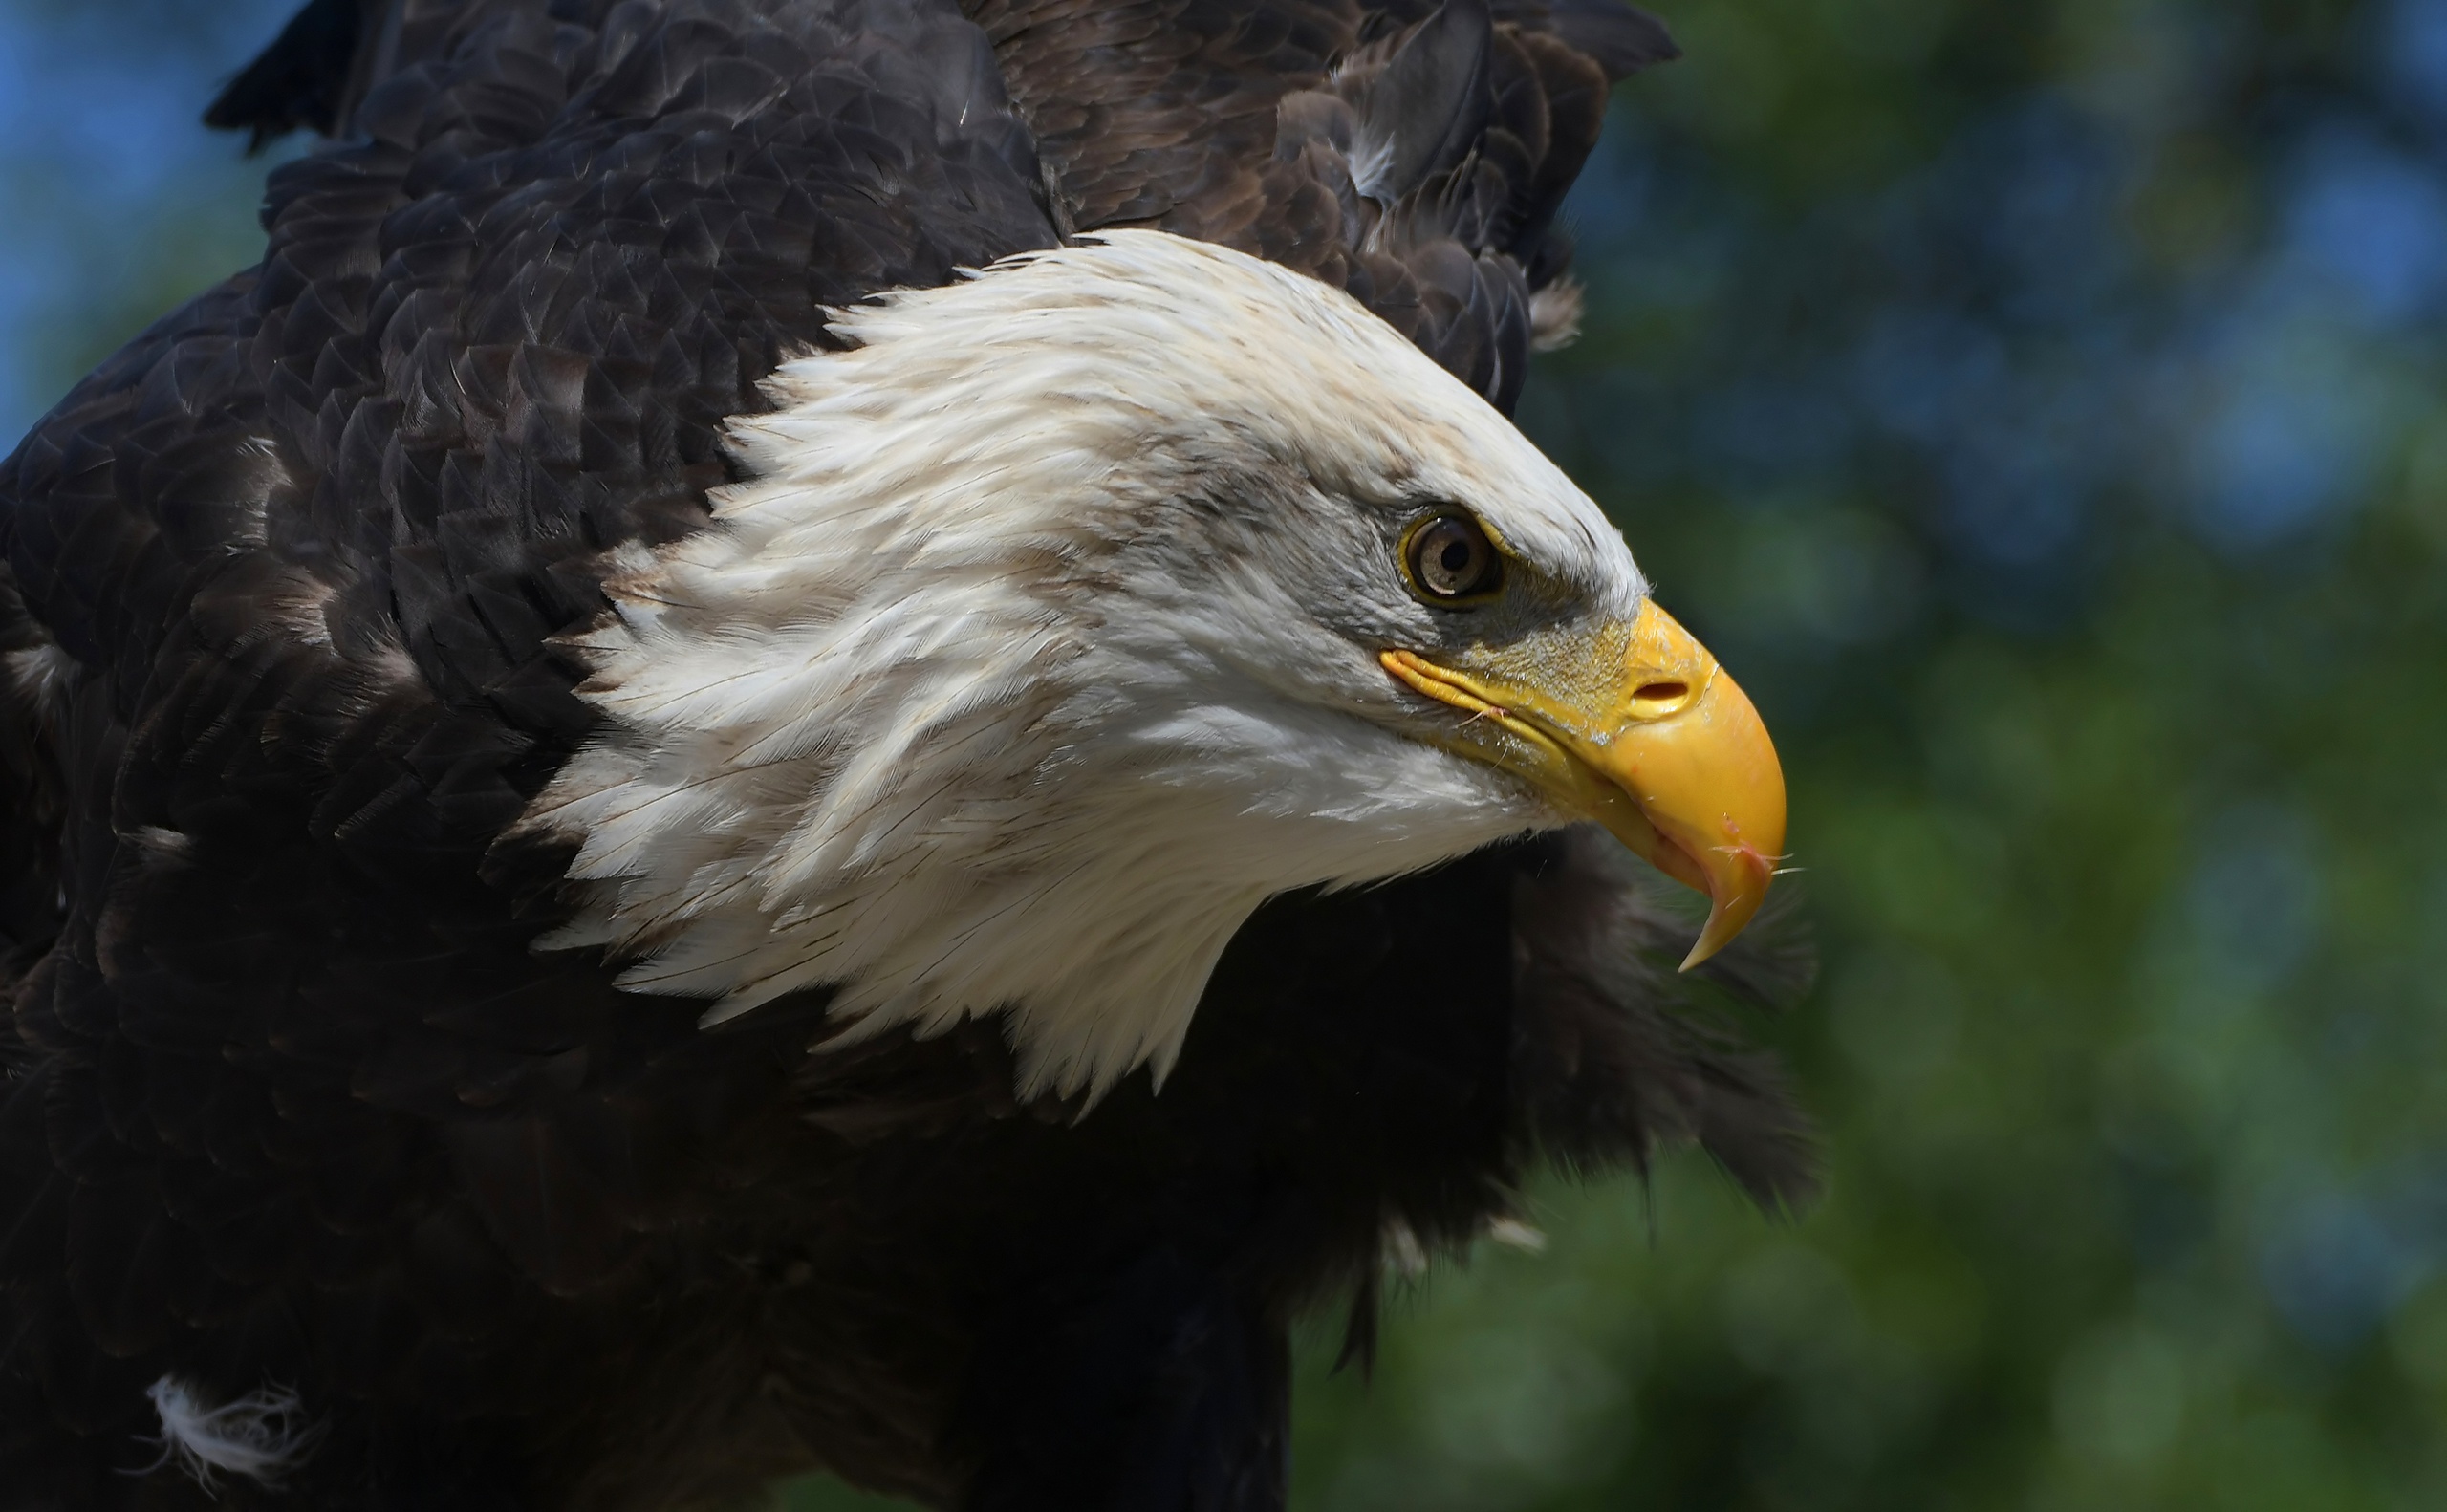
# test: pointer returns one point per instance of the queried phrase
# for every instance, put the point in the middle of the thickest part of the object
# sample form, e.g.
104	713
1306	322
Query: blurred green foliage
2042	408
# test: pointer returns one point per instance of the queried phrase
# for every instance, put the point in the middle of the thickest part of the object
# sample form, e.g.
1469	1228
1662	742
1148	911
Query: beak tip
1711	940
1734	895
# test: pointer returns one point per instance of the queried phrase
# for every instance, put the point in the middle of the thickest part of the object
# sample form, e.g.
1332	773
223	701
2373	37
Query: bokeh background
2043	407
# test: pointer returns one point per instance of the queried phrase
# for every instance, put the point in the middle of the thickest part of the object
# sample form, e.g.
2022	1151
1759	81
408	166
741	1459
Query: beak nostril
1657	695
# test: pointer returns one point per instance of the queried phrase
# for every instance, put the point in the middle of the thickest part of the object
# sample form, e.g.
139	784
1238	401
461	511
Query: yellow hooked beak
1638	728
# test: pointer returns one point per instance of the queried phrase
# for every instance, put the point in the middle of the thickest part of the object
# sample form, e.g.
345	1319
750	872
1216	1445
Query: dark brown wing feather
1414	156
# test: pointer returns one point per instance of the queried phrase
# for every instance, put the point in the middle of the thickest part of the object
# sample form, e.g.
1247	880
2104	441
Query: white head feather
1041	648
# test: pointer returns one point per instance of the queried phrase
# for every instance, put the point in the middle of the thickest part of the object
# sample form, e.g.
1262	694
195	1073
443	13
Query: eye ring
1449	561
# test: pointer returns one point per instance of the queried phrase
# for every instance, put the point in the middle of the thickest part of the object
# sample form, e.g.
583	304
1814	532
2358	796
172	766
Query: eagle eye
1449	558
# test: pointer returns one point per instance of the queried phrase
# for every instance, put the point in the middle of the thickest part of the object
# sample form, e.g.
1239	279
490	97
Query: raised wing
1414	154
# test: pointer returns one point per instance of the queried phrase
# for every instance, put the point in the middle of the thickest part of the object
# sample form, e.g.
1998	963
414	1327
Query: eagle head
1076	607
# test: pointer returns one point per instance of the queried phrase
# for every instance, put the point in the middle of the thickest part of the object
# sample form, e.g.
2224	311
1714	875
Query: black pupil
1452	559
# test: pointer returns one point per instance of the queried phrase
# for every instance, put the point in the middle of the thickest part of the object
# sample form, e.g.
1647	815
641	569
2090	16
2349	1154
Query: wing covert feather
1263	125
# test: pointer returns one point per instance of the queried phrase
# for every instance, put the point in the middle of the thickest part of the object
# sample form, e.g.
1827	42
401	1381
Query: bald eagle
832	734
